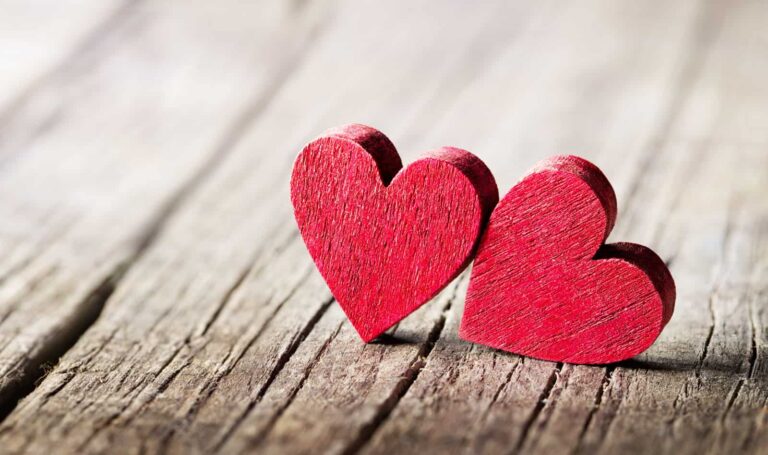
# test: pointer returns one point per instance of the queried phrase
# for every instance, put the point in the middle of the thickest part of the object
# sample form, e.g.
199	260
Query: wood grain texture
530	406
387	240
85	193
101	405
221	337
544	283
37	37
706	384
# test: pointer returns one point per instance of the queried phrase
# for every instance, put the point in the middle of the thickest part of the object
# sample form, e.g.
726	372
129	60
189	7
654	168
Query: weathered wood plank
222	337
109	147
681	391
540	407
185	320
692	399
38	37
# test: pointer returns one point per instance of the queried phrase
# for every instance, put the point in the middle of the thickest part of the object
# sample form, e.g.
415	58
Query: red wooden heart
544	285
387	241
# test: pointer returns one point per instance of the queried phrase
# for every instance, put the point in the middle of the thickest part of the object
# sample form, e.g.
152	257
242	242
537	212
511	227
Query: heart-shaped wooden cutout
543	283
387	241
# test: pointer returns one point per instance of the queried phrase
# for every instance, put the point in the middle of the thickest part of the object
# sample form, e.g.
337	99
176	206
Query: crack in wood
281	363
37	366
497	393
710	334
69	373
236	285
254	268
229	364
367	432
610	422
143	385
685	391
751	361
33	372
540	403
604	385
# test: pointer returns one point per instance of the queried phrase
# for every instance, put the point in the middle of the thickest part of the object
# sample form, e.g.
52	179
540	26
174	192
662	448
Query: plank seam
38	365
751	360
33	372
604	385
209	387
144	386
540	403
411	374
253	269
497	393
685	391
282	362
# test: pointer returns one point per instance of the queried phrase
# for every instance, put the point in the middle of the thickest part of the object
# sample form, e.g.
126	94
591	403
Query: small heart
543	283
387	241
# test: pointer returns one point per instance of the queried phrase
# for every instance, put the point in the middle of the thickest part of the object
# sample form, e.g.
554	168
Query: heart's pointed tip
368	338
464	335
366	333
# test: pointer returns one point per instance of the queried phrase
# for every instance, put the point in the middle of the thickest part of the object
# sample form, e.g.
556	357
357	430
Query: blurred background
154	291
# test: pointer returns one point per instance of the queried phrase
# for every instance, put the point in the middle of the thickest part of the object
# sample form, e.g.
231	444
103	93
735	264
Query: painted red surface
385	240
544	285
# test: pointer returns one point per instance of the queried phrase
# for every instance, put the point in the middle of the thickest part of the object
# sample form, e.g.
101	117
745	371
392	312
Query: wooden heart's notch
360	275
639	256
555	221
389	164
373	142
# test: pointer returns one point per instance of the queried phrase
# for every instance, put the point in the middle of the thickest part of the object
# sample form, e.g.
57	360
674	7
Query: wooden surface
155	296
